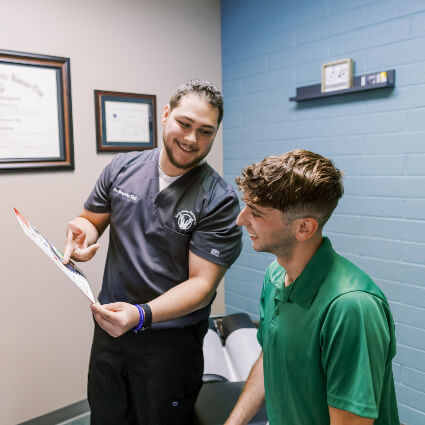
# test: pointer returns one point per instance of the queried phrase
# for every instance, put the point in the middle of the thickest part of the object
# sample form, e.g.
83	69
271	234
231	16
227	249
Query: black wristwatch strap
148	316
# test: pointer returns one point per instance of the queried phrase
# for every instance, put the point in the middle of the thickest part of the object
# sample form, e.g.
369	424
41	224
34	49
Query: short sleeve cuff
213	256
357	409
96	209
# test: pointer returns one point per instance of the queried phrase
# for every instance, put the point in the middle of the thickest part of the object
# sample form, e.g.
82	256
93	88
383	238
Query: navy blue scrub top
151	232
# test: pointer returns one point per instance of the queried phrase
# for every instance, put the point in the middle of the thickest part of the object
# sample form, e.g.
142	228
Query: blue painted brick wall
377	138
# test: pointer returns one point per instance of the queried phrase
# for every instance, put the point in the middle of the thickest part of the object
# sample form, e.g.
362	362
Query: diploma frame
125	121
59	116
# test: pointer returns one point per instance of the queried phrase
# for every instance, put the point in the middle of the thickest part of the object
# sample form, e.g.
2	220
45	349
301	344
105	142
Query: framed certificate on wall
125	121
35	112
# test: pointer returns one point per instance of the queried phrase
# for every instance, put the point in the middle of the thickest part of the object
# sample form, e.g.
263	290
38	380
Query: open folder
56	256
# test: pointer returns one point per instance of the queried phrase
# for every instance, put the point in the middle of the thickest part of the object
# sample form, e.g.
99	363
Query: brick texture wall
377	138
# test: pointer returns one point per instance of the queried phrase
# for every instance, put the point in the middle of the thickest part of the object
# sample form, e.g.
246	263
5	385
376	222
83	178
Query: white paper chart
56	256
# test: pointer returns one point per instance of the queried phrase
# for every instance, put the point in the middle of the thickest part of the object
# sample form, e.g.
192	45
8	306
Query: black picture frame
125	121
35	112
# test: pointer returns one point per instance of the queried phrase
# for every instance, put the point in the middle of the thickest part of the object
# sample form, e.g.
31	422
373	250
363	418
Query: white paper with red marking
56	256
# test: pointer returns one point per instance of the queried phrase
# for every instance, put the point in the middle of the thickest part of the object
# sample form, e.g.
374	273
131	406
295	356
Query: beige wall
141	46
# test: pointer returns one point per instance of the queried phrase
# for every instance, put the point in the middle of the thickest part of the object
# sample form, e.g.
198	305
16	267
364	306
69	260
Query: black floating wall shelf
314	91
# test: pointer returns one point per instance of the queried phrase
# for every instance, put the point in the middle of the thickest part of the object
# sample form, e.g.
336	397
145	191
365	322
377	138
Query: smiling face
189	132
269	230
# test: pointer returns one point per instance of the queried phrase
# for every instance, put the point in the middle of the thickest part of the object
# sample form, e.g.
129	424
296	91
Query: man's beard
186	166
284	249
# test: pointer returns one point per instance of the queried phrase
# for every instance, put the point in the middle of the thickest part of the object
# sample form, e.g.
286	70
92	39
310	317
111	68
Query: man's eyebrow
253	208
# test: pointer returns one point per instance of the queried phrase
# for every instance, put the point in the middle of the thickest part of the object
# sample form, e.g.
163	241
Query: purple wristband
141	318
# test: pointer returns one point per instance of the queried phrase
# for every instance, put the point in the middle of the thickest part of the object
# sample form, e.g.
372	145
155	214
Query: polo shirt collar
305	287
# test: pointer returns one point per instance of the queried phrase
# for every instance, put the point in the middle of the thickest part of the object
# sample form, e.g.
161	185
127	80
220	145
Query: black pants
149	378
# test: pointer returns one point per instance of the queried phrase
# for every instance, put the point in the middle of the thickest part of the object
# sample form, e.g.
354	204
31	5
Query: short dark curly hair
202	88
300	183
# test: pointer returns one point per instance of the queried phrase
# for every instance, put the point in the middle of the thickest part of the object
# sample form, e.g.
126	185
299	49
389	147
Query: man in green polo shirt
326	329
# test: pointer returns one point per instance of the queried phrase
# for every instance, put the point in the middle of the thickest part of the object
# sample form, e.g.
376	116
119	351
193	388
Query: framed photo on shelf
337	75
125	121
35	112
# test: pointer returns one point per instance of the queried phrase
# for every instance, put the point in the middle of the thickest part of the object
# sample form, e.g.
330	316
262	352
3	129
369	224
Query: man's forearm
182	299
252	397
188	296
177	302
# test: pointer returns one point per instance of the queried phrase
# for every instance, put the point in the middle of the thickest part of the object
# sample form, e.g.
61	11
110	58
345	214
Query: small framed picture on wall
125	121
337	75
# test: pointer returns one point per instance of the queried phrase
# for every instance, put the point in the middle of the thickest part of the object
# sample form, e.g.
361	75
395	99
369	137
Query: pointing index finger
67	252
72	231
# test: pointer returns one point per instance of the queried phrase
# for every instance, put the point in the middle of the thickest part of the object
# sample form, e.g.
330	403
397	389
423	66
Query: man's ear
165	114
305	228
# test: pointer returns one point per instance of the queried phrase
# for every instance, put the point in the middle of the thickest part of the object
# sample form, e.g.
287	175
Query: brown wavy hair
299	183
203	89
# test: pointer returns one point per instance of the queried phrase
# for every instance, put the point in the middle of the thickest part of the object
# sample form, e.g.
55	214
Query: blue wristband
141	318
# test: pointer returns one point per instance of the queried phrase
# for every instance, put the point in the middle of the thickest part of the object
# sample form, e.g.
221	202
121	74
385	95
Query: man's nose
240	220
191	137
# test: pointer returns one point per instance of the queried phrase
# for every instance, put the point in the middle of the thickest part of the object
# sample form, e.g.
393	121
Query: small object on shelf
372	79
361	83
337	75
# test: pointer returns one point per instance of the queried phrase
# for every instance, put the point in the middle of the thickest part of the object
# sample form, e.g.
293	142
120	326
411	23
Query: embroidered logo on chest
125	195
186	220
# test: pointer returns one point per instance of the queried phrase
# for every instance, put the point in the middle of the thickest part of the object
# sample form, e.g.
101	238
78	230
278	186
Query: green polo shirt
328	340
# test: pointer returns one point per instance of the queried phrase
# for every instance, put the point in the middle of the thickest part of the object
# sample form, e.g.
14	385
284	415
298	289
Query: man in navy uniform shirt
172	237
